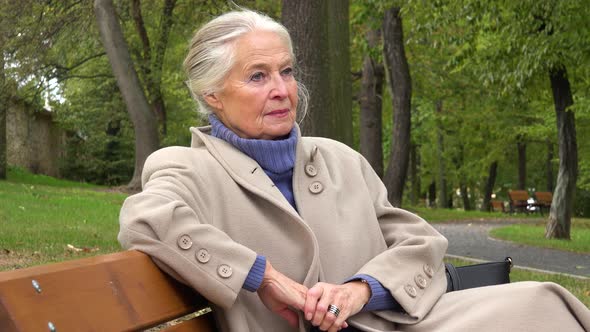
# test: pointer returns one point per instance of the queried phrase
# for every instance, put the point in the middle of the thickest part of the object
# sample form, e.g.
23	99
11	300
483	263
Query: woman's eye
257	77
287	71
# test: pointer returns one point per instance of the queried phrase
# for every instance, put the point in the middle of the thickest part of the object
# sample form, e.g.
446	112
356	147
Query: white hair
212	54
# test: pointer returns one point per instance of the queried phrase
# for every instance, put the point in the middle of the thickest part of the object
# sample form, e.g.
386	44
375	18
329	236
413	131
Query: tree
561	211
511	46
489	187
144	122
401	91
319	30
371	96
3	111
152	59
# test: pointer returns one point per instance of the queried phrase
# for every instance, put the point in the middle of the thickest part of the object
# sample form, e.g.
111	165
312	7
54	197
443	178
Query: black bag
478	275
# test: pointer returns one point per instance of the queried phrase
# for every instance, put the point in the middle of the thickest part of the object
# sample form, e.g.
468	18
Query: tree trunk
3	112
340	74
401	91
521	147
432	194
144	122
319	30
558	225
442	180
414	177
489	188
151	67
465	196
549	166
371	139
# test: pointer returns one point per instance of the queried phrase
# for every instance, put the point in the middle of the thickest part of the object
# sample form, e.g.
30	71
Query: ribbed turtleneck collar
277	156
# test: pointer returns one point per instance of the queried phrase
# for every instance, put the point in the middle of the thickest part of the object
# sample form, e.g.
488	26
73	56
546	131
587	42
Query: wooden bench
123	291
497	206
517	200
543	200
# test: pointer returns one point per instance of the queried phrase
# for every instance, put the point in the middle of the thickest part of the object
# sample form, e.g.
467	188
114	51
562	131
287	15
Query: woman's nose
278	88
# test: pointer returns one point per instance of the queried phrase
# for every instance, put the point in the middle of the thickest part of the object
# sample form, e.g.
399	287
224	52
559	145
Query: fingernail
308	316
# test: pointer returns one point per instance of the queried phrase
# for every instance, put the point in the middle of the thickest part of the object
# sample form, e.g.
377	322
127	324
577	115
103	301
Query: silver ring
334	310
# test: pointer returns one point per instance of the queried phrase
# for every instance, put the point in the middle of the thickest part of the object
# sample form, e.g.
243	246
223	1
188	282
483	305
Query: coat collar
243	169
246	172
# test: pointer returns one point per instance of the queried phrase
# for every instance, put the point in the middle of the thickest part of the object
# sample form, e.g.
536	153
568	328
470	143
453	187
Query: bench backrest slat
518	195
116	292
544	197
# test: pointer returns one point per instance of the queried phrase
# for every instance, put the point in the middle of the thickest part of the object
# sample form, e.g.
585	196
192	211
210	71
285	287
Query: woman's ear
213	100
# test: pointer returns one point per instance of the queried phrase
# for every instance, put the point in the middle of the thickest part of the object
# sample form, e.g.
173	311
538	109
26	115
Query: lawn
434	216
45	219
534	235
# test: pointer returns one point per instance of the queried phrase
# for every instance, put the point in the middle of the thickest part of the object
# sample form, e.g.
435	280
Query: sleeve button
421	281
224	271
184	242
203	256
428	270
411	290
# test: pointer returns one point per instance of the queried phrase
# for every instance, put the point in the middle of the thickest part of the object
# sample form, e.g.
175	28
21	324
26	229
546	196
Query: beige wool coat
206	211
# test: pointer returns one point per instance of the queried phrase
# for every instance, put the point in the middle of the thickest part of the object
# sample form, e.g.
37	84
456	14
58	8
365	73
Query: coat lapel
243	169
247	172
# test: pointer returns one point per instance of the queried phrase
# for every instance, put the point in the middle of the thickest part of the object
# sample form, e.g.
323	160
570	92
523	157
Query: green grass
446	215
579	287
533	234
40	216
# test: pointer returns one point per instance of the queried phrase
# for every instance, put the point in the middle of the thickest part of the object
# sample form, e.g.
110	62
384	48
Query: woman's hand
349	298
280	294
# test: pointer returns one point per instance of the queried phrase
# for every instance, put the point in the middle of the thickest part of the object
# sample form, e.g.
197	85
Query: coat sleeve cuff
254	278
381	298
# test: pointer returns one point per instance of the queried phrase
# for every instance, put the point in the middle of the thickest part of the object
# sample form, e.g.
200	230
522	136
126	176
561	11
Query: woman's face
259	95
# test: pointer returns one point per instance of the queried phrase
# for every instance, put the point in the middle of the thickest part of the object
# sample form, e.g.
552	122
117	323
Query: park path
471	239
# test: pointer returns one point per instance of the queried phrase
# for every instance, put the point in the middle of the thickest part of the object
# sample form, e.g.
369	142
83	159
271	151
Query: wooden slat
116	292
518	195
544	197
201	323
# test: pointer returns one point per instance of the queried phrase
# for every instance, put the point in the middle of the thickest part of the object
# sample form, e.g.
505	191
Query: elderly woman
288	233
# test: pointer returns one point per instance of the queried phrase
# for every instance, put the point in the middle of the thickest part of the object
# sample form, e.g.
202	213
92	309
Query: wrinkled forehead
260	47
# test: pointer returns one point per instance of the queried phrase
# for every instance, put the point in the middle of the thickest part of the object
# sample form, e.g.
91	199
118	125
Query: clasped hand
284	296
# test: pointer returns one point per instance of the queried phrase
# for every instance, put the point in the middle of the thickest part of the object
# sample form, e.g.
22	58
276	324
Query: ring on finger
334	310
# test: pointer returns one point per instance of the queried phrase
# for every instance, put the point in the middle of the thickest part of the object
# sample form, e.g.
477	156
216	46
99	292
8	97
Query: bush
582	203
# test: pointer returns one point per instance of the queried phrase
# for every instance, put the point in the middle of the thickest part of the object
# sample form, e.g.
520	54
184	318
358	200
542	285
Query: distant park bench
543	200
497	206
517	200
123	291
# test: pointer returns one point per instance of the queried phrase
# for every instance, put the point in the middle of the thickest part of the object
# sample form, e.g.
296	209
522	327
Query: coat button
185	242
411	290
428	270
203	256
224	271
310	170
316	187
421	281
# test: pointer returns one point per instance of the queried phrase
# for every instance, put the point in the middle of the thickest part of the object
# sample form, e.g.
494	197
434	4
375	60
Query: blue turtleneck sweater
277	158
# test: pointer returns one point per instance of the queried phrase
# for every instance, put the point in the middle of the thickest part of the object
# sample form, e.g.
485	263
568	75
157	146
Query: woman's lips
279	113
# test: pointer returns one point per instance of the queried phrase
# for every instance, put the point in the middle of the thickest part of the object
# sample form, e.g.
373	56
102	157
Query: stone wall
34	141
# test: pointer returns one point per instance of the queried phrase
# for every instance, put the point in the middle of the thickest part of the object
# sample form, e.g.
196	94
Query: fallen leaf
83	249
